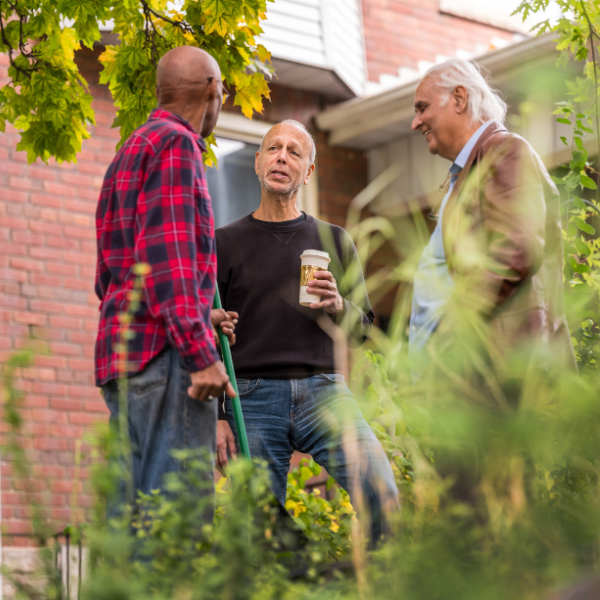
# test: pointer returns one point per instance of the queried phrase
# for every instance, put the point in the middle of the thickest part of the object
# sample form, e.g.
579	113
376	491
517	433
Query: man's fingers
222	455
198	393
231	446
229	390
220	468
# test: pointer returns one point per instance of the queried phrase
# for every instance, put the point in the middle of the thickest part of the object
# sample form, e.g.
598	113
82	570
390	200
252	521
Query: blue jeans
318	416
161	418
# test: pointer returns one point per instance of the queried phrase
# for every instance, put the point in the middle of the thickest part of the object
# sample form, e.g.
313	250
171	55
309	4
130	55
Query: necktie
447	186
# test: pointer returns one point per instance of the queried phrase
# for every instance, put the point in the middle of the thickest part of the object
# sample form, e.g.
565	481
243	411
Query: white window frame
234	126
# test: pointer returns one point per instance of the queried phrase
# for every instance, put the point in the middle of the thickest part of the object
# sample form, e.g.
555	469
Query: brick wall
399	33
47	303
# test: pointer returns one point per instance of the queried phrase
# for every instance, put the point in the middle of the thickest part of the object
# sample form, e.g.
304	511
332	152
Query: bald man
293	394
155	209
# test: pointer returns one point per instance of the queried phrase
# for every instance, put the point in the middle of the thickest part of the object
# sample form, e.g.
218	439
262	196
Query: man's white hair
313	148
484	103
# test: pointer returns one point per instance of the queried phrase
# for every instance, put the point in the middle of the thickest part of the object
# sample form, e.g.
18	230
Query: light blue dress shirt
433	284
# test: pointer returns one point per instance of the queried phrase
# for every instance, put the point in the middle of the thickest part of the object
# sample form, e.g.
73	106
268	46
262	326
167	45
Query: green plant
47	99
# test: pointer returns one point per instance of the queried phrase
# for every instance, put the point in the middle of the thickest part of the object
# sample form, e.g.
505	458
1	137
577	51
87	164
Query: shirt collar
463	156
160	113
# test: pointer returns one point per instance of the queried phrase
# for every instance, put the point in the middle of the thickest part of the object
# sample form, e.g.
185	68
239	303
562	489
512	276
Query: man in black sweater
293	394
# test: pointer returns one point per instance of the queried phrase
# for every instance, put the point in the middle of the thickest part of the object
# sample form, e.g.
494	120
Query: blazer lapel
492	129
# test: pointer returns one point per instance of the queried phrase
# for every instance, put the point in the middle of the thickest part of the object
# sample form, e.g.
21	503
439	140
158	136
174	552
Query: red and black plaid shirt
155	208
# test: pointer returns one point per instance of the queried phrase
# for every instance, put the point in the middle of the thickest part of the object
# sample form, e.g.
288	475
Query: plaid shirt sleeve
174	235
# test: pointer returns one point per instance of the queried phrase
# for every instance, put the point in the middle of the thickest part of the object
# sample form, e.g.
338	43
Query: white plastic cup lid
316	253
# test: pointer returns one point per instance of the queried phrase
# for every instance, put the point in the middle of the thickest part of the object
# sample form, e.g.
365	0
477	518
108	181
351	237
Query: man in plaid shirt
155	209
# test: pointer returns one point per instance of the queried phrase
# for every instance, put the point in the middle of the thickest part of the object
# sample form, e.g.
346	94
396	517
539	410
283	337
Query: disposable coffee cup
311	261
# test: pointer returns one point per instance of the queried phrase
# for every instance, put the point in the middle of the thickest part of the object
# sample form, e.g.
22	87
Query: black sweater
259	277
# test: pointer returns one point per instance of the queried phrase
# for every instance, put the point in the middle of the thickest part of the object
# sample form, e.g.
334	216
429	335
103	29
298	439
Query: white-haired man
293	394
498	238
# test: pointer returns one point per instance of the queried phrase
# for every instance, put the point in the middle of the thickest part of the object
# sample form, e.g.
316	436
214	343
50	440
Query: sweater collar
275	226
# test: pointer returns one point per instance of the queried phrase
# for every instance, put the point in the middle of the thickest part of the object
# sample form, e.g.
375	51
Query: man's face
283	164
435	121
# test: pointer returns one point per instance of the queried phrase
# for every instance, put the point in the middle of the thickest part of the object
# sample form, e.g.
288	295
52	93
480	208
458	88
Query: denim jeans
162	417
318	416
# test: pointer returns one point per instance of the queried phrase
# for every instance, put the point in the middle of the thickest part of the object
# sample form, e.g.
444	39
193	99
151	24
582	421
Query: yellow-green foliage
49	102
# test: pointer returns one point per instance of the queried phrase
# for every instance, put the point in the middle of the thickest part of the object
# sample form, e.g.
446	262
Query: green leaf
581	268
563	120
588	182
582	247
583	226
563	139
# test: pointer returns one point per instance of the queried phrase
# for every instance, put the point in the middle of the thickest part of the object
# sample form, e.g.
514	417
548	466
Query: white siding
321	33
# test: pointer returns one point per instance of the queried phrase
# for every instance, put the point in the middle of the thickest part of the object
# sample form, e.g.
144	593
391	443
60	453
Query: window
233	186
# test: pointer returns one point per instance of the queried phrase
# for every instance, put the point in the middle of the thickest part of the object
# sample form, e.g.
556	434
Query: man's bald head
188	83
183	74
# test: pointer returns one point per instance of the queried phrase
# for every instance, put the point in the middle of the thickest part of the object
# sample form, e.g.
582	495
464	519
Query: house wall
401	33
47	302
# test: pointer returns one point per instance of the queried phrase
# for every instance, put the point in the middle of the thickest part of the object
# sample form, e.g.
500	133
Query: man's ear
309	173
157	93
460	97
256	162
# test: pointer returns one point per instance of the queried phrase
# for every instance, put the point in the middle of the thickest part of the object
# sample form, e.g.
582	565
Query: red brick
17	527
64	431
24	183
8	249
38	374
79	364
66	349
12	275
45	306
14	195
57	362
17	302
68	404
63	242
30	318
85	418
43	279
50	444
46	200
43	227
13	222
52	389
60	189
35	401
45	253
61	268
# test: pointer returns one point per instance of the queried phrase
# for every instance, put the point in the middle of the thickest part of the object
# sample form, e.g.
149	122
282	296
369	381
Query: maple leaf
220	16
249	92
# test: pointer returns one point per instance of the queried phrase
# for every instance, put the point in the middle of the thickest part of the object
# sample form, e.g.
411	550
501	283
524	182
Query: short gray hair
484	102
313	148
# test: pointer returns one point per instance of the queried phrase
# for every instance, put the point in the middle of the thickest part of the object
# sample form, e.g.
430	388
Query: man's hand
226	321
225	441
325	286
213	381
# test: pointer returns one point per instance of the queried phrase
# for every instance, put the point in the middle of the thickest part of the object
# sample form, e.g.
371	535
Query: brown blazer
503	242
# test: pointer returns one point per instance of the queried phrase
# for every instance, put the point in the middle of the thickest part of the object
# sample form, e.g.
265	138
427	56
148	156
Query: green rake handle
237	405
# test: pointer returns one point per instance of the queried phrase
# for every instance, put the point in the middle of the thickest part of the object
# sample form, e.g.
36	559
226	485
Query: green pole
235	401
